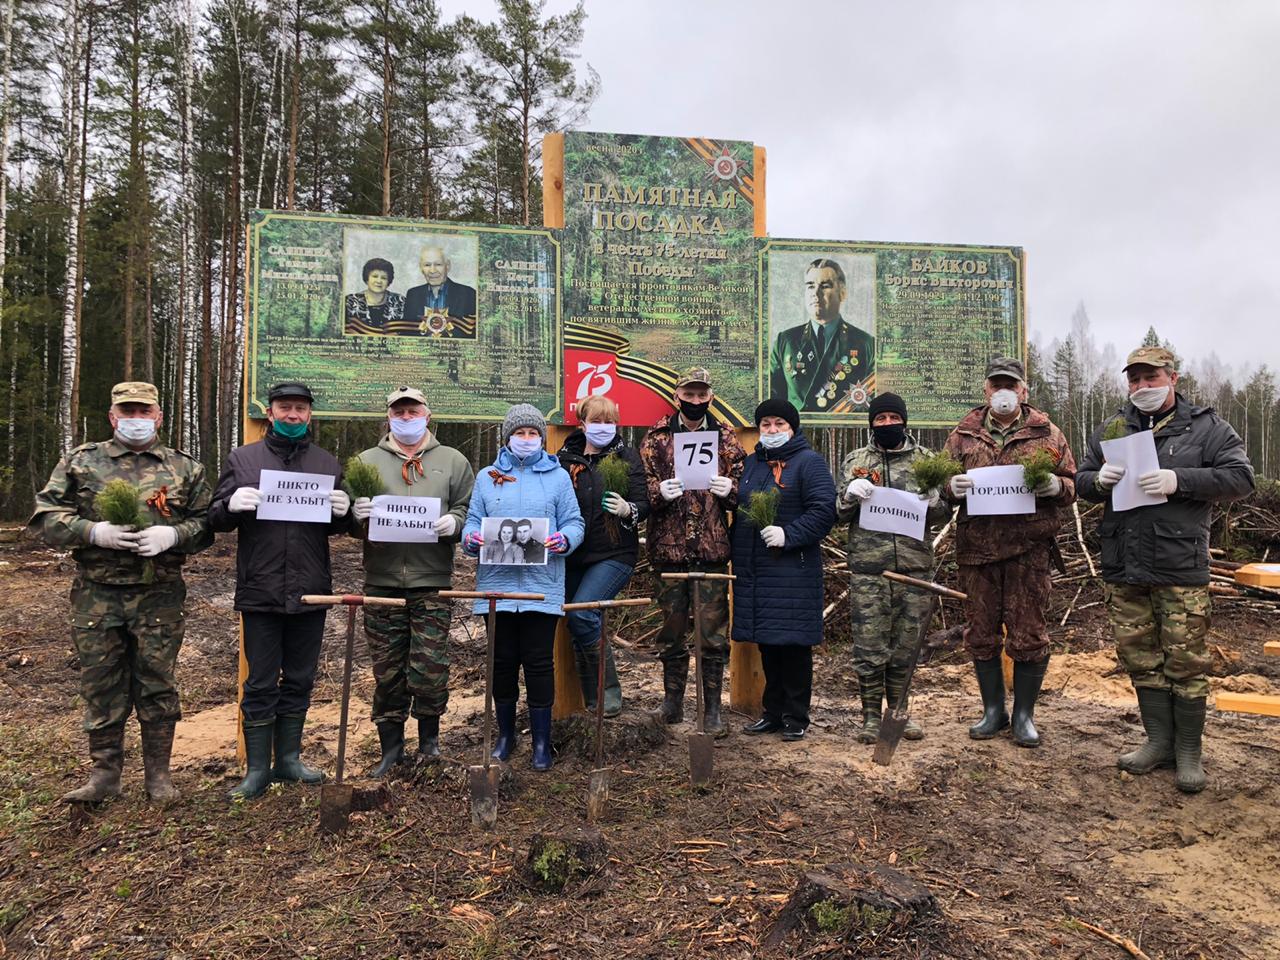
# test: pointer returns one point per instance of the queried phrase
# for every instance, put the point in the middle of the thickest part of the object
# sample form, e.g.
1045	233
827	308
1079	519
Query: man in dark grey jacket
277	561
1155	559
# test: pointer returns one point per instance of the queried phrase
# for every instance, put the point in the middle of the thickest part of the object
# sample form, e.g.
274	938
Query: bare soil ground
1022	848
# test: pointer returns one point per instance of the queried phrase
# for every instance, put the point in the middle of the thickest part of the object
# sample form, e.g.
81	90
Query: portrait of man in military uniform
825	364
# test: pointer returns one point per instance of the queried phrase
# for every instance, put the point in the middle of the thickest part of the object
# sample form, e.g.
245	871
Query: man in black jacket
441	307
1155	559
278	561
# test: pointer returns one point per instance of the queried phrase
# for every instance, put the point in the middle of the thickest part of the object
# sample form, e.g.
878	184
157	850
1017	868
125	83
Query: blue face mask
771	441
408	431
524	447
600	435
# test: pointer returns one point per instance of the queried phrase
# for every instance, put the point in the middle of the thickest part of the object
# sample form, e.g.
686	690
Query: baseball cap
1152	357
290	388
1006	367
694	375
135	391
406	393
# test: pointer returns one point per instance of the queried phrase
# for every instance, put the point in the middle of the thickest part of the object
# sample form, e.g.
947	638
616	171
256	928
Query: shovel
894	722
701	743
335	798
482	780
598	783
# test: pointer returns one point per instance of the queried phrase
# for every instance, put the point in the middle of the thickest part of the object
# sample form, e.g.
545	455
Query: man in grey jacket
1155	559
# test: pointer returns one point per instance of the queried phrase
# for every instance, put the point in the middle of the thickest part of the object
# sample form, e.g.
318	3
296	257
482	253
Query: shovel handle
351	600
698	575
925	585
594	604
482	595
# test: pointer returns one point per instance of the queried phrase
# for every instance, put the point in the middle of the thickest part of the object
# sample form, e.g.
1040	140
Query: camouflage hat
135	391
694	375
1152	357
1006	367
406	393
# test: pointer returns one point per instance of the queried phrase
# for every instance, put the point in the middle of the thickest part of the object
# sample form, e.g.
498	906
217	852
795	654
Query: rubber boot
895	679
157	748
1156	707
429	738
991	685
588	664
1188	734
1027	678
289	765
106	750
391	739
540	732
712	684
612	687
258	735
505	714
675	674
871	690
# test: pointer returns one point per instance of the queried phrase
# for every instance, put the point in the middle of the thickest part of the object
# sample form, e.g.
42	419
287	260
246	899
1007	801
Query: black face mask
890	436
693	412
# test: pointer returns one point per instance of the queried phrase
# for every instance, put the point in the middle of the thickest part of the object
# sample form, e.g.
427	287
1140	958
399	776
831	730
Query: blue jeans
599	581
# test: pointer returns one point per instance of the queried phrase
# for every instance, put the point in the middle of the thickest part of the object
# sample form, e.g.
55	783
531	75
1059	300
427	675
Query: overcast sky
1132	148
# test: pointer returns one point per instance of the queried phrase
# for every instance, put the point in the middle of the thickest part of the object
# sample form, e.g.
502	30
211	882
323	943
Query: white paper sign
894	511
404	519
301	497
1137	454
697	457
999	491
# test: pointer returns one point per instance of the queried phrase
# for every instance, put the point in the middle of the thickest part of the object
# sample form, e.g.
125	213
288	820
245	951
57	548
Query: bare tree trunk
276	67
206	346
388	82
6	71
295	95
526	107
70	366
133	200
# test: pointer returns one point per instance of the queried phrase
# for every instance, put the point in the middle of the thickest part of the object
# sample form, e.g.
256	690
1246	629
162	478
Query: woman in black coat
777	597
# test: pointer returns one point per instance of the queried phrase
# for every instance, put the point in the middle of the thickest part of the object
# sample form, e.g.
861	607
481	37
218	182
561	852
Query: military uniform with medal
813	366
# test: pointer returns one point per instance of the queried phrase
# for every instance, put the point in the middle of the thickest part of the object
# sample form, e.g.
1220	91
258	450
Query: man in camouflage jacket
1004	560
689	530
126	602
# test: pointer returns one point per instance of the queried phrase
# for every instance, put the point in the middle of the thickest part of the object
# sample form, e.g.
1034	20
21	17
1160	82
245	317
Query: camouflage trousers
1160	636
885	621
127	638
409	647
675	598
1013	594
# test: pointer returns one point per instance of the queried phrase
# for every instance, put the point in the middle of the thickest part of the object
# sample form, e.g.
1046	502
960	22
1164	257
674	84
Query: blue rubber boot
540	727
506	716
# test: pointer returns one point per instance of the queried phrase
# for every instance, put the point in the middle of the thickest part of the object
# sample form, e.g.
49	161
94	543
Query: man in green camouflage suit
1155	558
126	603
885	616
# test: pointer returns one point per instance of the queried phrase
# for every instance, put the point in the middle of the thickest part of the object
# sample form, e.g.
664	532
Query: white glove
244	499
156	540
860	488
773	537
1109	475
721	486
671	489
446	526
932	495
616	505
961	484
362	508
109	536
1158	482
341	502
1050	488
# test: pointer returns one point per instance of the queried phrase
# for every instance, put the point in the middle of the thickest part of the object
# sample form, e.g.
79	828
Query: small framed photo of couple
514	541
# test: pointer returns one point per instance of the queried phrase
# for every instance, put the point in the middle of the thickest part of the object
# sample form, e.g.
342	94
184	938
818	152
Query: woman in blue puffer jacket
525	482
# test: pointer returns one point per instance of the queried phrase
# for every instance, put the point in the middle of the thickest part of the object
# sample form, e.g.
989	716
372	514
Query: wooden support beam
568	687
553	180
1271	648
1265	705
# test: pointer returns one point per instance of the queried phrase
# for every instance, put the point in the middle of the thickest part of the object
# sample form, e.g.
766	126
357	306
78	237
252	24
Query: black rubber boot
1156	707
895	679
289	766
991	685
871	690
588	664
157	748
712	684
1027	678
612	687
429	738
106	750
1188	734
505	713
258	735
540	733
391	739
675	674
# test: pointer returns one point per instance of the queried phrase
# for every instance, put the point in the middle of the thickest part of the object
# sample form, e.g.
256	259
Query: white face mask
772	441
1150	399
135	430
409	431
600	435
525	446
1004	402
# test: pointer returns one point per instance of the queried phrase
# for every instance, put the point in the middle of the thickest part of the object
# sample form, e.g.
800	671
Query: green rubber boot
895	680
1156	707
257	750
289	766
871	689
1188	733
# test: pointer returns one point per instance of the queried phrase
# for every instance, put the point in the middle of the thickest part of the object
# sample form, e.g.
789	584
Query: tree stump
553	862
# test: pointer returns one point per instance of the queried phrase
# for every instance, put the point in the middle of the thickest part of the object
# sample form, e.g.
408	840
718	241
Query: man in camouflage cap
1155	559
126	603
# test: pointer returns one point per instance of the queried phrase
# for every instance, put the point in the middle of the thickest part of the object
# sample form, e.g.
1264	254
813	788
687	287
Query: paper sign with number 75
697	457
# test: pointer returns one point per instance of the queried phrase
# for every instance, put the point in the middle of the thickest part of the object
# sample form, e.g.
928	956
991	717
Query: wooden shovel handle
594	604
925	585
353	600
698	575
480	595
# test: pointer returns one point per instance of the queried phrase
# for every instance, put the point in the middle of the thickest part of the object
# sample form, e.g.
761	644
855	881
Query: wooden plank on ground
1265	705
1271	648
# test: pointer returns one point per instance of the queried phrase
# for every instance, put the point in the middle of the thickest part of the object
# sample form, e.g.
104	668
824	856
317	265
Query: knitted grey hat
523	415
